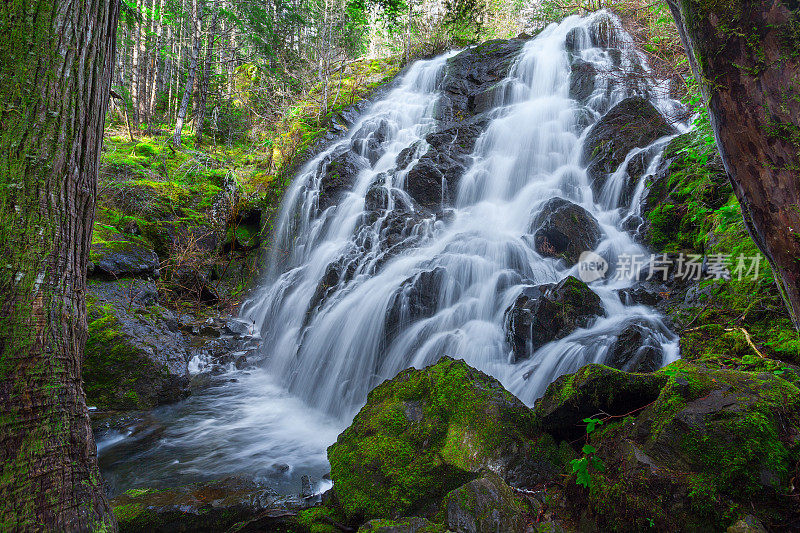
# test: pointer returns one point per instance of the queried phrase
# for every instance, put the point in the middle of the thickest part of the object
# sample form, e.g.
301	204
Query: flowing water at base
326	353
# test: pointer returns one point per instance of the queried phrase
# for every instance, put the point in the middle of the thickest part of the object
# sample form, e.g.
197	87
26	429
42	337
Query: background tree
55	73
745	55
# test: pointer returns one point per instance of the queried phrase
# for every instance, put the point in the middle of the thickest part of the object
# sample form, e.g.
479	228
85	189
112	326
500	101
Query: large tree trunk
187	92
745	54
56	59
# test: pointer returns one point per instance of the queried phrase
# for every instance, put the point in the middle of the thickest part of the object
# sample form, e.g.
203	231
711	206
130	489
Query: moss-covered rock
694	450
591	390
115	255
133	360
486	505
426	432
403	525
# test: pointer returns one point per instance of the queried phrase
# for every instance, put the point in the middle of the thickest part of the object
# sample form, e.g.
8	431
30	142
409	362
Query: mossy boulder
427	432
216	506
566	230
591	390
550	312
114	255
633	123
687	448
135	356
486	505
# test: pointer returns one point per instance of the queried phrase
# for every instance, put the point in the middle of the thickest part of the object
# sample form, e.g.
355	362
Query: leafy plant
581	466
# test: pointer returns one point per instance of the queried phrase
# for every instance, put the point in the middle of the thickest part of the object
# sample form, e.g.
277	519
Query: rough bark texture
56	58
745	54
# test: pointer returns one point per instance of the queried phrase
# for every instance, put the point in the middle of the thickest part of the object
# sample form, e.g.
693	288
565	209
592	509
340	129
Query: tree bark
187	92
745	55
57	59
136	60
200	114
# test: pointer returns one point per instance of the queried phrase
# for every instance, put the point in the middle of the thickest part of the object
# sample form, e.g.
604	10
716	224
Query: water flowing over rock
409	237
566	230
548	313
423	237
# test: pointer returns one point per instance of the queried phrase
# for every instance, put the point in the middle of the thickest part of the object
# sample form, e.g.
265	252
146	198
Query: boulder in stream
633	123
566	230
547	313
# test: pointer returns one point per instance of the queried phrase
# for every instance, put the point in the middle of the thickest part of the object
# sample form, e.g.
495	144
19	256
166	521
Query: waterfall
337	310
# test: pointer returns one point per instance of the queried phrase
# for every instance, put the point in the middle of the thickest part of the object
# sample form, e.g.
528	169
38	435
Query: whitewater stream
325	330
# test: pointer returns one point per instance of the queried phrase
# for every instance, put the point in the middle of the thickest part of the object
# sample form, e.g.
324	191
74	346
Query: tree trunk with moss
56	59
745	54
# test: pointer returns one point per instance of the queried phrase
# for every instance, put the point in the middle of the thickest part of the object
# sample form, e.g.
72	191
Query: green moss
146	149
116	374
319	520
424	433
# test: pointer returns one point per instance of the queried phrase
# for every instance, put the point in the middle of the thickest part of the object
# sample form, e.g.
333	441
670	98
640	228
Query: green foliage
692	209
582	465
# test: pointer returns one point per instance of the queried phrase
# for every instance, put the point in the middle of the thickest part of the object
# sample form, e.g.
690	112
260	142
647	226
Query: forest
400	266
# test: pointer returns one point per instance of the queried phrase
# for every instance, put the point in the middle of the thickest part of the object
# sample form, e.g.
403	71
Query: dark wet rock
473	71
370	139
593	389
120	257
488	99
549	313
633	123
636	349
409	155
581	80
389	464
417	298
566	230
433	180
214	506
338	171
191	283
135	356
486	505
306	487
378	198
640	295
339	271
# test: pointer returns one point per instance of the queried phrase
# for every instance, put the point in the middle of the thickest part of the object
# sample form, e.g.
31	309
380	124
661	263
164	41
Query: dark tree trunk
745	54
56	59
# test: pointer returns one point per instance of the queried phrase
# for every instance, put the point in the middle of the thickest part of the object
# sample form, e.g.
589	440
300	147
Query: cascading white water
332	353
336	270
